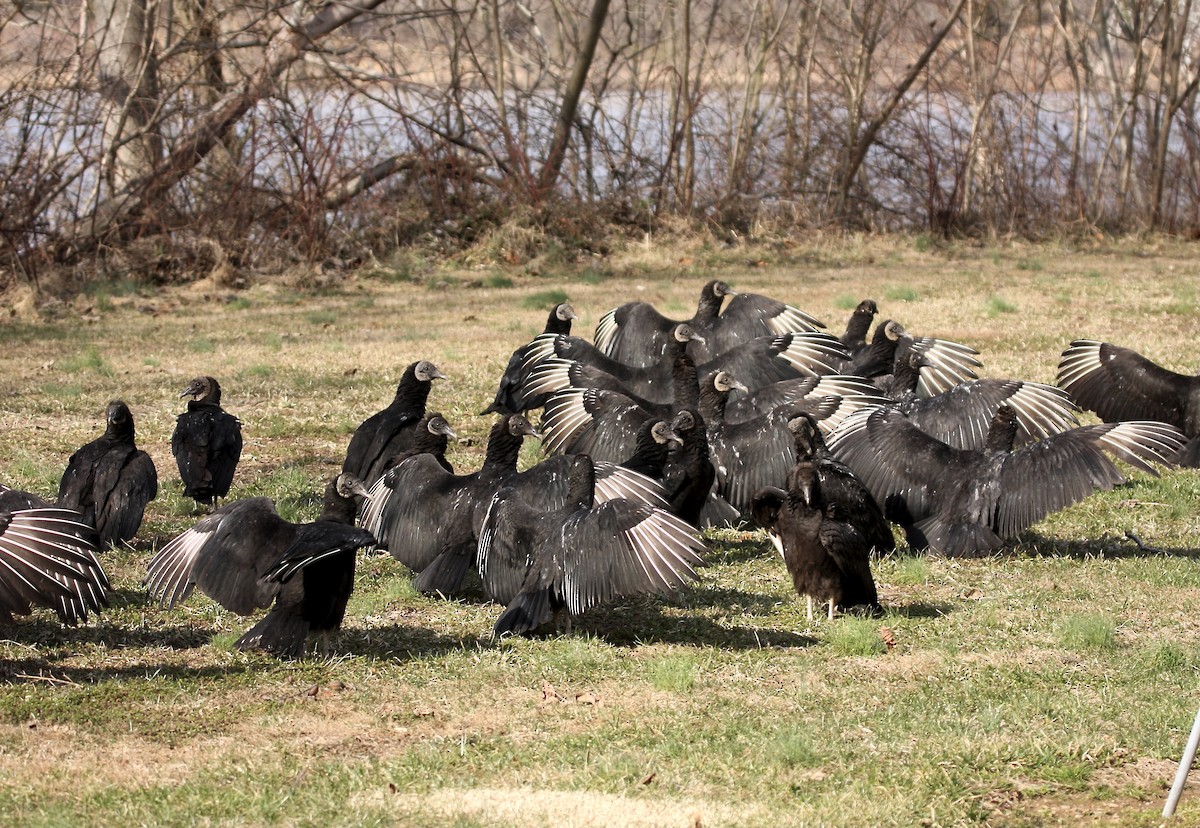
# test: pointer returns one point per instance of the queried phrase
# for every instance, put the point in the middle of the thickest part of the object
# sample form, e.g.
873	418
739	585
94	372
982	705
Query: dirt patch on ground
563	809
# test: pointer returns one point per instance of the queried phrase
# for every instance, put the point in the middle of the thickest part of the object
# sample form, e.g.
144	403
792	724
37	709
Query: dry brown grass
422	719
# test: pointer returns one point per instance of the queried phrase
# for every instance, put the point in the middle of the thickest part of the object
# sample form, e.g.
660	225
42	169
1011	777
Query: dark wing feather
127	489
1120	384
601	424
962	415
634	333
622	548
1060	470
225	554
418	509
750	455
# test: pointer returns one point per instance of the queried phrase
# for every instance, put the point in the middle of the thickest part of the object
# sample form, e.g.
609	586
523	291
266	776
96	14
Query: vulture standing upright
110	480
389	432
206	443
510	395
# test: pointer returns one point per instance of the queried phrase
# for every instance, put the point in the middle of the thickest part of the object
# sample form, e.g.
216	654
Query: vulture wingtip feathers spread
972	502
540	563
1120	384
245	557
48	558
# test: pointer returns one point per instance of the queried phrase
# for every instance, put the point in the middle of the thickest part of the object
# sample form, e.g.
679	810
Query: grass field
1054	685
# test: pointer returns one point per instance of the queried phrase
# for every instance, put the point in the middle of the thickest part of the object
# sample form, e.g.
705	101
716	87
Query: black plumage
946	363
827	557
962	415
859	324
48	558
970	502
747	316
1120	384
110	480
688	473
206	443
432	436
510	395
539	560
636	334
655	382
754	452
245	556
425	516
390	432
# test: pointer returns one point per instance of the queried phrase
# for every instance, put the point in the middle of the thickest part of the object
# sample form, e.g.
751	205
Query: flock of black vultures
653	431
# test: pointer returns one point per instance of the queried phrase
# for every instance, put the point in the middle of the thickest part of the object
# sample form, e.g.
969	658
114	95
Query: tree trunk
570	102
127	72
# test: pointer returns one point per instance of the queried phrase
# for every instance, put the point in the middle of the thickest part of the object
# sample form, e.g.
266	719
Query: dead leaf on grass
586	698
549	694
889	638
423	712
973	594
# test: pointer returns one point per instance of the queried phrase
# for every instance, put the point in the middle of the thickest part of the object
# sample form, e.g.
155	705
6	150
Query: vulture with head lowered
110	480
965	502
245	557
1120	384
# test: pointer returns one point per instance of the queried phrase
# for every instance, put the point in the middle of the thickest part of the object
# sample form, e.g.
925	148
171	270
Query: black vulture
655	439
757	362
539	559
855	336
207	443
1120	384
429	519
826	555
510	396
688	474
655	382
970	502
47	559
946	363
636	334
757	452
425	516
854	392
961	416
109	481
747	316
389	432
432	436
245	556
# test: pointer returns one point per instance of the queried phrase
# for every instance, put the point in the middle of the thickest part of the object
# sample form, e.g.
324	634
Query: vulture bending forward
244	556
970	502
539	560
109	481
825	524
390	431
47	559
1120	384
207	443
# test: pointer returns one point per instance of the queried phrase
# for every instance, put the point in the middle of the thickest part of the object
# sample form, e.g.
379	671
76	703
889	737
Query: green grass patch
87	359
1088	632
901	294
202	345
544	299
997	305
850	636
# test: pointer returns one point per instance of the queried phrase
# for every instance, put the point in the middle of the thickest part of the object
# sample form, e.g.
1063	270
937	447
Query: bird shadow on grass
1109	546
739	551
401	643
644	622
